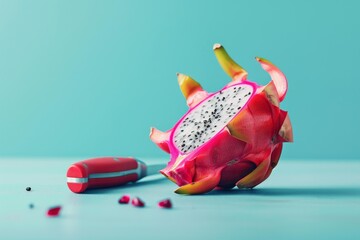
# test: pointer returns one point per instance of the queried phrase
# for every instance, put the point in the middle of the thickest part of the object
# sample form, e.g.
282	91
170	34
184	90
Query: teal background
88	78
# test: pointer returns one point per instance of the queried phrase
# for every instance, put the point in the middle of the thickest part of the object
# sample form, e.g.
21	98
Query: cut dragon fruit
230	137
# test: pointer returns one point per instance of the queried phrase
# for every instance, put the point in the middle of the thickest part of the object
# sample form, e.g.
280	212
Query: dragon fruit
231	137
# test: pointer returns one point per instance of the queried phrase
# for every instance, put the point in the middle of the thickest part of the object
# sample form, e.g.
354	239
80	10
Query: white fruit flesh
209	117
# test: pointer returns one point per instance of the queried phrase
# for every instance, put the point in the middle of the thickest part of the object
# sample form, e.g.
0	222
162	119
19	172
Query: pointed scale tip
262	60
151	131
181	77
216	46
188	86
231	68
180	191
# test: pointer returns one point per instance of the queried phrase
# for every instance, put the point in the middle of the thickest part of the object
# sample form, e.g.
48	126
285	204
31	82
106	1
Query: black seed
31	205
183	145
28	189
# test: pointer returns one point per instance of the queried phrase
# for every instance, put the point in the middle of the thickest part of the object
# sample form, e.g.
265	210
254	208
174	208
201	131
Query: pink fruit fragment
137	202
54	211
165	203
124	199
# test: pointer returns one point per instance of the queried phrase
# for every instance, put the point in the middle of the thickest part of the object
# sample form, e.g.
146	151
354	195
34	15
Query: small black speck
28	189
31	205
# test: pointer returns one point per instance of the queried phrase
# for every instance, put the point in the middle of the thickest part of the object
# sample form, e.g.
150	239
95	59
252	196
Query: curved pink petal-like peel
204	185
160	138
276	75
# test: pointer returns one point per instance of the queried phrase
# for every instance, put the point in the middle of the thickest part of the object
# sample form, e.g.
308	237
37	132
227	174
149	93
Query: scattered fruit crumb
137	202
166	203
125	199
54	211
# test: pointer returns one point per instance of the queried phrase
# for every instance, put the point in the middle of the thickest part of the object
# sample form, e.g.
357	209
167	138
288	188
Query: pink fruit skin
244	152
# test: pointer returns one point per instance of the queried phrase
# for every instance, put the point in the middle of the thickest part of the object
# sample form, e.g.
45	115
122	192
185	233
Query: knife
107	172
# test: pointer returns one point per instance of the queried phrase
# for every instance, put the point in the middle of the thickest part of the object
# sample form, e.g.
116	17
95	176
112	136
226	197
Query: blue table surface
309	199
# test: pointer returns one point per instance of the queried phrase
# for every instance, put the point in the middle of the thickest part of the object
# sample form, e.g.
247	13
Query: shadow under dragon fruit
231	137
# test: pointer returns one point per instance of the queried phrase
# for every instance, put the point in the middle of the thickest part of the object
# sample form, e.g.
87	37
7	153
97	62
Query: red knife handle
104	172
